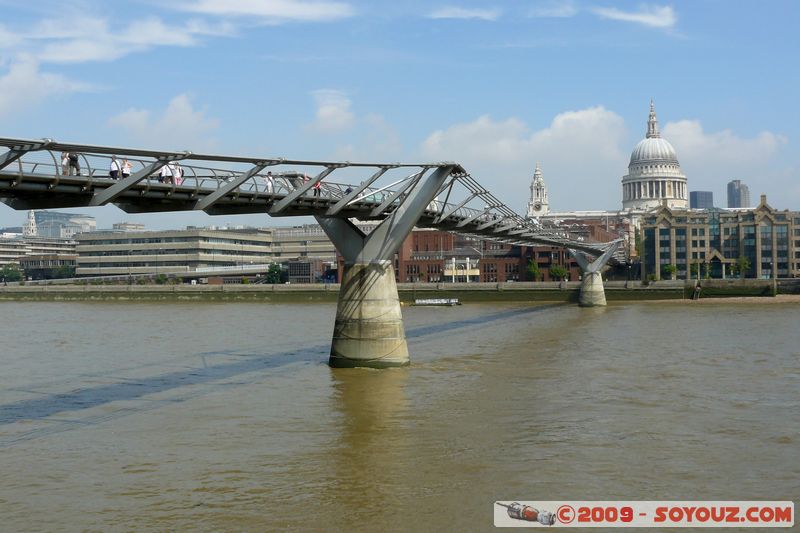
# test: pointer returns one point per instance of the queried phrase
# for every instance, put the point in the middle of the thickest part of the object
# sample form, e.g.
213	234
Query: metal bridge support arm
394	195
226	188
592	291
355	192
110	193
369	325
300	191
17	152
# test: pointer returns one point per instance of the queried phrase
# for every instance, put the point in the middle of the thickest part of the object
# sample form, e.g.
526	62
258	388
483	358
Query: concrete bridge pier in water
369	324
592	291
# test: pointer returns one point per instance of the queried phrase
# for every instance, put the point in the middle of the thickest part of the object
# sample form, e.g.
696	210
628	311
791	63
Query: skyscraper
738	194
701	199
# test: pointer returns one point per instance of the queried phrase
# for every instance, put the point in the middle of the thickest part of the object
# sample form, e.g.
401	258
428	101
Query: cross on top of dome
652	122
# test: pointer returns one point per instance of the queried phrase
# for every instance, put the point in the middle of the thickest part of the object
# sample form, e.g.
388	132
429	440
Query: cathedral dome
654	174
653	149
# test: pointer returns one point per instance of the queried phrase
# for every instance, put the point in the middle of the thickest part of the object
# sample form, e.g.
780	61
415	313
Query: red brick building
440	256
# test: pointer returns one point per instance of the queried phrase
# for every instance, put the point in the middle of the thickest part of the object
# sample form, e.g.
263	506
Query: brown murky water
152	417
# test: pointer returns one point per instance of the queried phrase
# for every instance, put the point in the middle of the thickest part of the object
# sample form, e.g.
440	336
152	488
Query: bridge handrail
44	159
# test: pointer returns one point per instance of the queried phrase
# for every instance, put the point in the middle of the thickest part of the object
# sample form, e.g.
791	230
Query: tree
743	266
694	269
558	272
274	274
670	270
533	270
11	272
64	271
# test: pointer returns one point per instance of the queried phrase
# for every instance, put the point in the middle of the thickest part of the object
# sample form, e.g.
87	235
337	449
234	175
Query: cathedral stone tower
29	229
538	205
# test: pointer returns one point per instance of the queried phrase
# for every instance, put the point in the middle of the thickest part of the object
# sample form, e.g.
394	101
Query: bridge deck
32	177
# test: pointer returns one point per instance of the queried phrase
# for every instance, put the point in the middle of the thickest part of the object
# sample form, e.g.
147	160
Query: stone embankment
465	292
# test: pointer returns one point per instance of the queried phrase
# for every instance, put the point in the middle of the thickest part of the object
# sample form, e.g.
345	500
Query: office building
717	242
701	200
173	252
738	194
57	225
14	249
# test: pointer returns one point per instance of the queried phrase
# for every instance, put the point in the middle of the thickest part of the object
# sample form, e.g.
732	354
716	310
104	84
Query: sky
494	85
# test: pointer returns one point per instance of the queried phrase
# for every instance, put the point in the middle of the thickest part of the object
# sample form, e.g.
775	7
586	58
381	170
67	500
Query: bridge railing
95	167
462	204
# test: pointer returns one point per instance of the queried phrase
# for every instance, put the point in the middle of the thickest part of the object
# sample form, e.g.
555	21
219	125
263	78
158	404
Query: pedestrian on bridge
270	182
317	188
127	168
165	176
64	163
74	165
114	168
177	173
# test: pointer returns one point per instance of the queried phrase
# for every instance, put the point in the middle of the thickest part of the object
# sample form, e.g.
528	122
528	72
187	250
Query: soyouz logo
674	514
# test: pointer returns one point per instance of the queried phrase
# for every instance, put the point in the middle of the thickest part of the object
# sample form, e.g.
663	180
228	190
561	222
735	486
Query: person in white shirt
127	168
64	163
270	182
165	176
114	168
177	173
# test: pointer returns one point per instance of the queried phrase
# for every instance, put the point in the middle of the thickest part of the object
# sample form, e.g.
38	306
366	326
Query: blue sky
495	86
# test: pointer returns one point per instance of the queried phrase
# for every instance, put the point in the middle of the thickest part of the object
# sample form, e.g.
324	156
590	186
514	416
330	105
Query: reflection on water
225	416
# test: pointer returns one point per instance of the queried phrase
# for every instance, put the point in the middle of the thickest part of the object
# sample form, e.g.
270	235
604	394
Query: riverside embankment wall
465	292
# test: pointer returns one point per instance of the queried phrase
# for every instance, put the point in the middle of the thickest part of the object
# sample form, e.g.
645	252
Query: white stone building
654	174
538	205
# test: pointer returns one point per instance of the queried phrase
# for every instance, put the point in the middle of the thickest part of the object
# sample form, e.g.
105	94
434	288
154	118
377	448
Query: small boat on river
437	301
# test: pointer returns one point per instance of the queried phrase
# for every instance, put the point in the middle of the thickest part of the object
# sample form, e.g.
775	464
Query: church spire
538	204
537	174
652	122
29	228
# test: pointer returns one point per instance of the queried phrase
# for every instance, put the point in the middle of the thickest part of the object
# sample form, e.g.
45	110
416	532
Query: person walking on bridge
270	182
127	168
74	165
165	176
114	168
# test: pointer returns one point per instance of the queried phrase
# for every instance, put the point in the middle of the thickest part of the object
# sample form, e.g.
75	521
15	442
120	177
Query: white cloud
579	151
454	12
692	142
709	160
273	10
333	111
375	140
24	86
178	127
648	15
94	39
554	9
8	38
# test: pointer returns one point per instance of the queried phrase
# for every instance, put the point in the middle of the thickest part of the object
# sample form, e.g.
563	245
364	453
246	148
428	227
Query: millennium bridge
397	196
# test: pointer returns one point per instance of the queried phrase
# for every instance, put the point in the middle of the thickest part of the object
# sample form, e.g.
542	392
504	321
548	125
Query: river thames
189	416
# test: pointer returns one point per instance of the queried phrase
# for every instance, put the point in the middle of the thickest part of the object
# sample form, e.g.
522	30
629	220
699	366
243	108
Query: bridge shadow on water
48	405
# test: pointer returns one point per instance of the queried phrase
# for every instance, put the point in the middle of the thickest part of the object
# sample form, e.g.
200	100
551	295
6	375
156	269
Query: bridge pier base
369	324
593	293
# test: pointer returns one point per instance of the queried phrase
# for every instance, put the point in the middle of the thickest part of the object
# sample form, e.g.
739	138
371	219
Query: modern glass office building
701	199
718	241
